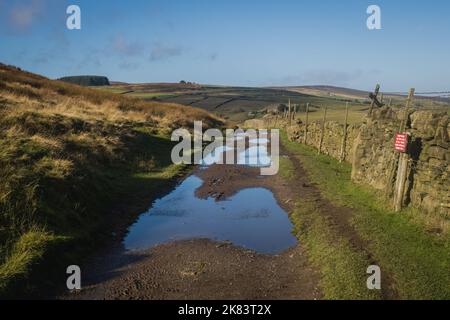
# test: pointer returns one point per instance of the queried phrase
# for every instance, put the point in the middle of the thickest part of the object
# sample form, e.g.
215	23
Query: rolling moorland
342	226
237	104
234	104
69	157
79	165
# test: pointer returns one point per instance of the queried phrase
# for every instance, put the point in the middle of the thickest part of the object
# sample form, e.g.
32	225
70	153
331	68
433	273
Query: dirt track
204	269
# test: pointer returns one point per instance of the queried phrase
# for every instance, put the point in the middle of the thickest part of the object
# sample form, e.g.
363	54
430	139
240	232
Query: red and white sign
401	142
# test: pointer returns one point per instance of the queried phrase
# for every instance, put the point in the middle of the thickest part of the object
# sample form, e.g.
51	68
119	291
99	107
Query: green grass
111	89
150	95
341	268
47	207
28	250
286	169
419	262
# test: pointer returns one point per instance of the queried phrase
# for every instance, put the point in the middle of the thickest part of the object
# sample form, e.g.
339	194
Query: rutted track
205	269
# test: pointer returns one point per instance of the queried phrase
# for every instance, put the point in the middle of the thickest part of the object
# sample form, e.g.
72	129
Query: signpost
401	146
401	142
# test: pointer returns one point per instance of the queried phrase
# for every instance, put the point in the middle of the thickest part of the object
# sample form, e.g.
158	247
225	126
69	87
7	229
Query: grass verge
341	268
418	261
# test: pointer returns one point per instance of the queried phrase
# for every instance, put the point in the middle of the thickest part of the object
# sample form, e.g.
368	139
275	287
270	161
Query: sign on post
401	142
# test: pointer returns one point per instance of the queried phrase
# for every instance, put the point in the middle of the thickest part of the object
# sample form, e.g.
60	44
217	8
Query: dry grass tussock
25	92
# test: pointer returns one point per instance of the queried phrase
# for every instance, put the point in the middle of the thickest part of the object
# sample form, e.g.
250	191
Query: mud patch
204	269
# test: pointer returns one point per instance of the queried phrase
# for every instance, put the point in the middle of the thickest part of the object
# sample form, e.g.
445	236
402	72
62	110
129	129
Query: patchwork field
237	104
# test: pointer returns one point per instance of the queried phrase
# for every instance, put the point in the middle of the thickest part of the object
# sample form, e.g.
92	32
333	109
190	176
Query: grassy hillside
70	158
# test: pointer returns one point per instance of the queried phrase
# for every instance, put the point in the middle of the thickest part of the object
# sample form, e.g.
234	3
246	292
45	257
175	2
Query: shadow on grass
91	210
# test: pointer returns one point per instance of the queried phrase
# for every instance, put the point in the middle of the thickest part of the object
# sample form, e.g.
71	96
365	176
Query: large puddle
252	219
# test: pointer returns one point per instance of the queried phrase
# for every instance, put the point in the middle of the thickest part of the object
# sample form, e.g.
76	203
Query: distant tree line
87	81
186	82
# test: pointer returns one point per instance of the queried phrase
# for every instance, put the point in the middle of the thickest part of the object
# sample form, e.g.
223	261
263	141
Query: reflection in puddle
216	156
252	219
256	155
260	141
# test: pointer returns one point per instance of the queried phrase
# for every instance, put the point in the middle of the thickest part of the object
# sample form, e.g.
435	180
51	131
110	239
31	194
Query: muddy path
202	268
206	269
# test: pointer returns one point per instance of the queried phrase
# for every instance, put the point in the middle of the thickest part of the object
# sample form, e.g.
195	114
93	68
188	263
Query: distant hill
348	93
329	91
87	81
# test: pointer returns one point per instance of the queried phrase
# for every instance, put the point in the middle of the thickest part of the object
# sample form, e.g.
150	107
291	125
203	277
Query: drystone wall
332	137
370	150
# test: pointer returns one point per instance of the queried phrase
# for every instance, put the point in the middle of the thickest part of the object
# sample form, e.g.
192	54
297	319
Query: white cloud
124	47
23	14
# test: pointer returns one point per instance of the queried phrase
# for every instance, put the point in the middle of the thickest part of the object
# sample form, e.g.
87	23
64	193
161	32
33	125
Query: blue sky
250	43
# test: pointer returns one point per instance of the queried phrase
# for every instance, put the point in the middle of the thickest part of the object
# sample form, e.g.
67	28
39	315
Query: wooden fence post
375	95
306	123
290	119
323	130
344	139
402	169
401	181
408	104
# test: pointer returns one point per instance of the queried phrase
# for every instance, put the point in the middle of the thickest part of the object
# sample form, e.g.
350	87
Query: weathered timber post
344	138
408	104
290	119
306	123
401	181
402	170
322	132
374	98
